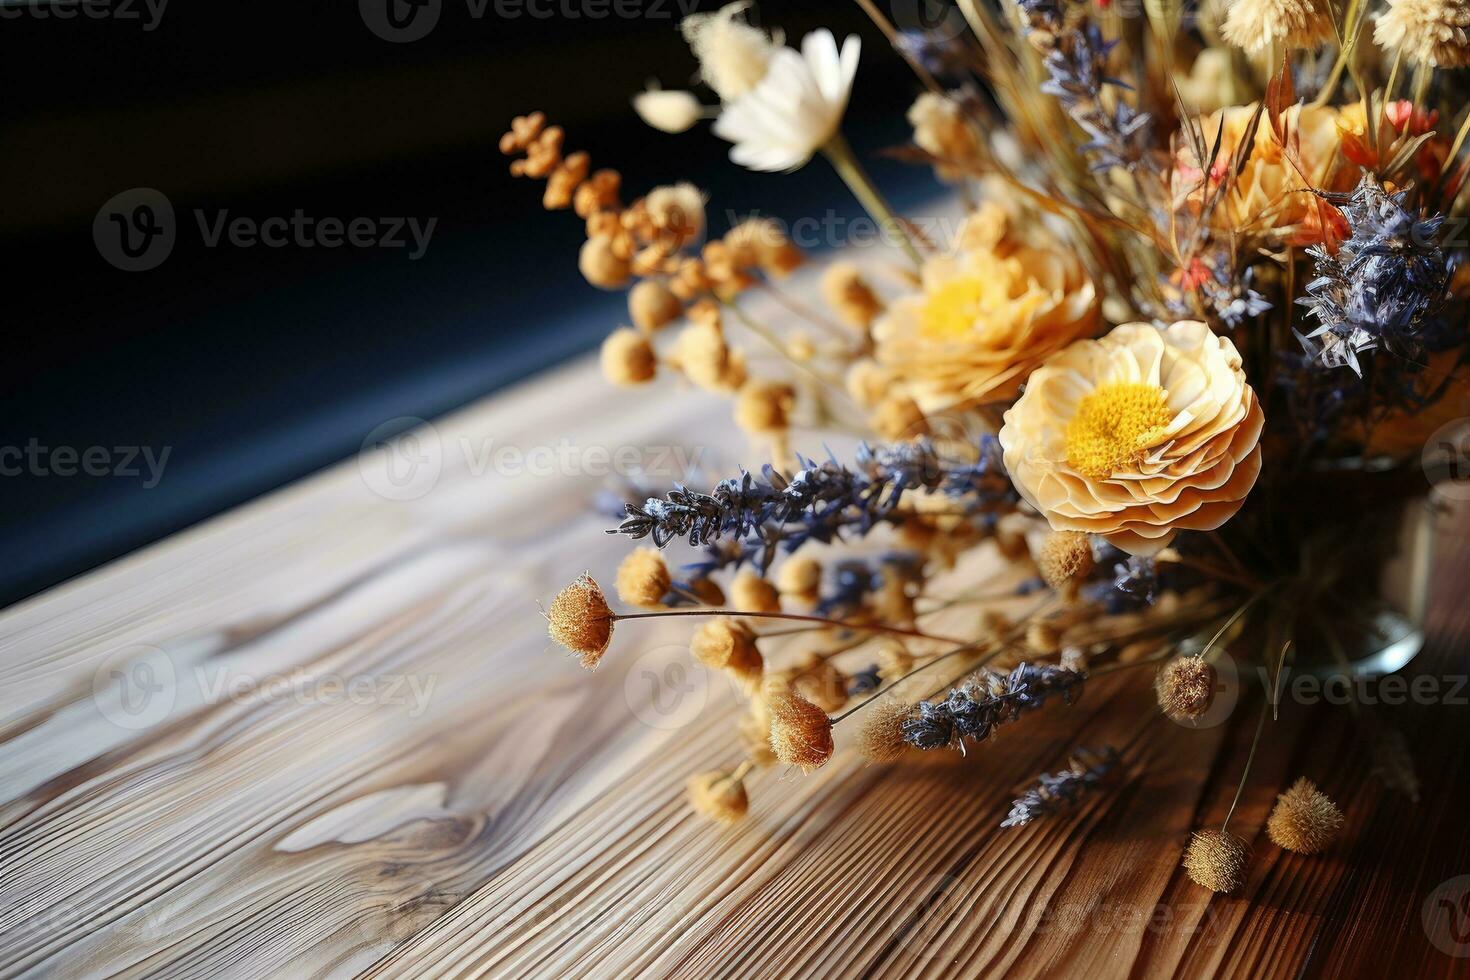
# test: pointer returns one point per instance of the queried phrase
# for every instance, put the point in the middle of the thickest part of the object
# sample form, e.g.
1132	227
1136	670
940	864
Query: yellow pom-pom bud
751	593
761	407
718	796
652	306
1065	558
801	733
1216	860
849	295
881	737
601	265
643	579
1304	820
628	357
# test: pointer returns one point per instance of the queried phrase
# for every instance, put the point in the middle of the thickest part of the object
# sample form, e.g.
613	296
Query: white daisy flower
796	107
667	110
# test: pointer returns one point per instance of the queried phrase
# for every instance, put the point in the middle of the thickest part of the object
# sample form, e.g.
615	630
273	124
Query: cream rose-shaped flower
1137	435
984	317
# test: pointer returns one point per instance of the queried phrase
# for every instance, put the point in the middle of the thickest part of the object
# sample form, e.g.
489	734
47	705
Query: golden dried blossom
749	592
867	382
722	642
760	242
942	131
581	620
1065	558
1270	197
881	737
1429	32
762	407
1185	687
1137	436
1216	860
643	578
718	795
651	306
799	575
1258	26
1304	820
628	358
982	320
675	214
1043	638
705	358
848	295
600	263
801	732
707	591
669	111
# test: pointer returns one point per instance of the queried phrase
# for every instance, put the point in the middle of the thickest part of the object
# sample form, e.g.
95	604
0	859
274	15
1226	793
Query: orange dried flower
581	620
801	732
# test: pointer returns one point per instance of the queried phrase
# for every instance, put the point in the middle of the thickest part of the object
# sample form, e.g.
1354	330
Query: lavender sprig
748	518
1053	791
1075	57
986	701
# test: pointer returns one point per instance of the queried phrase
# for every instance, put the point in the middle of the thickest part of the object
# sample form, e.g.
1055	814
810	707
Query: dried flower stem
845	162
1245	773
794	617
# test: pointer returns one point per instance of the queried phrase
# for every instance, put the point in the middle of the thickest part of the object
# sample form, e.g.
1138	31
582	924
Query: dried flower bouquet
1173	373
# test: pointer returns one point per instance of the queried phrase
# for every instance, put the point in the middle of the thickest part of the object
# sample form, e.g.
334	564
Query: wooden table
326	734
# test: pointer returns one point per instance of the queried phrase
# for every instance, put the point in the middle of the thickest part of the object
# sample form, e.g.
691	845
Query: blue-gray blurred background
253	367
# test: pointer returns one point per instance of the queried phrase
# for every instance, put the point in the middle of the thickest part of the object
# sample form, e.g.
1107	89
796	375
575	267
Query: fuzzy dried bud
718	796
1304	820
1185	687
1429	32
581	620
762	407
848	295
1064	558
881	737
643	579
1043	638
751	593
651	306
1216	860
898	418
723	642
601	265
799	576
628	358
801	732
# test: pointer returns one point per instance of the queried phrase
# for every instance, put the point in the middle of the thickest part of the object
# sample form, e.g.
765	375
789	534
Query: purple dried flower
1085	770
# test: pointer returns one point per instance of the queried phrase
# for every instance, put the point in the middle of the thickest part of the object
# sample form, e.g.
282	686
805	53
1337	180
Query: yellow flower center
951	310
1115	426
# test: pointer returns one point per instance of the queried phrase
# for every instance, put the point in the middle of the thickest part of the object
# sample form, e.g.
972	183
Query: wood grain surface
326	735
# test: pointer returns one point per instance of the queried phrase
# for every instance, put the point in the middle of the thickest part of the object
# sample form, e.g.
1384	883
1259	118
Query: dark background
257	366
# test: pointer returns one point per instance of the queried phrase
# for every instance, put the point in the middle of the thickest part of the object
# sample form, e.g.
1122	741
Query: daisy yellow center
1114	427
951	311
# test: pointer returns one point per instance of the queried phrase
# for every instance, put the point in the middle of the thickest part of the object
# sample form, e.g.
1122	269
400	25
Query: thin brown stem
1245	773
793	617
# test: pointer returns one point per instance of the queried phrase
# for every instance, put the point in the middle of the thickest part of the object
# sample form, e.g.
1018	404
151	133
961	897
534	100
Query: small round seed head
1216	860
799	576
651	305
1304	820
848	295
718	796
867	382
721	642
801	732
763	407
1255	25
628	358
751	593
1185	687
881	737
581	620
600	263
1065	557
643	579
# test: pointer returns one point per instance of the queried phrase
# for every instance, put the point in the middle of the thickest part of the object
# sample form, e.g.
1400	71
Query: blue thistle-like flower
1384	284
